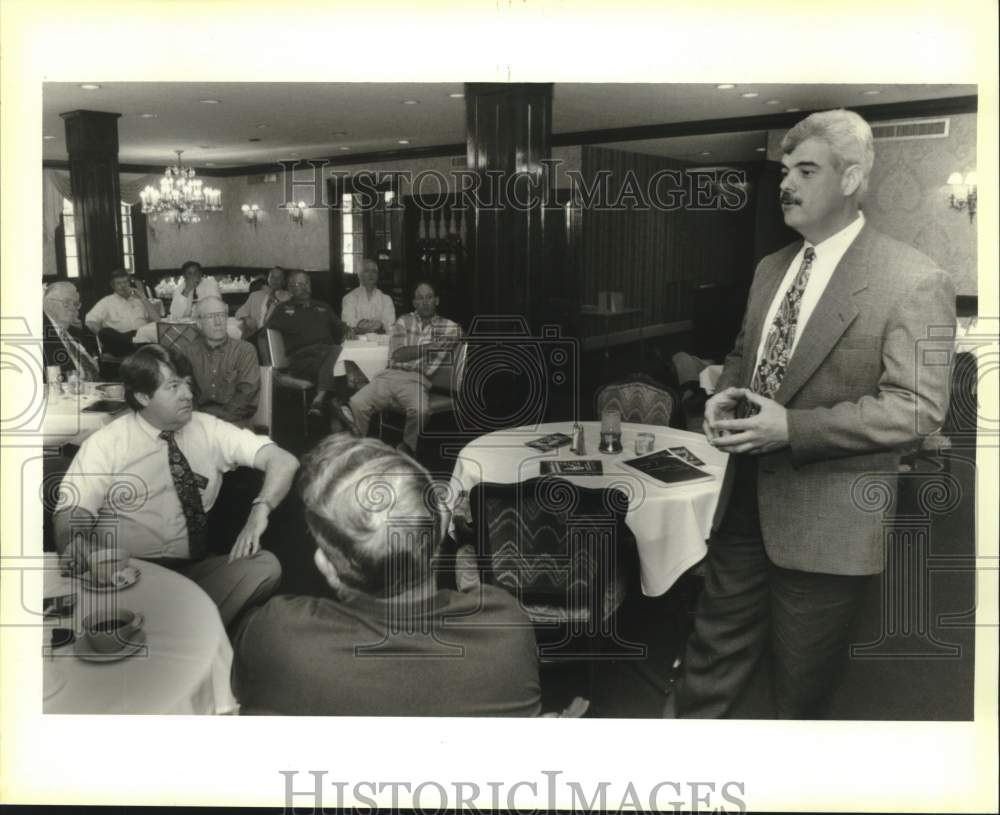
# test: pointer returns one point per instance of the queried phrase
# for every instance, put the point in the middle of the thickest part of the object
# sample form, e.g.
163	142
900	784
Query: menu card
583	466
553	441
666	467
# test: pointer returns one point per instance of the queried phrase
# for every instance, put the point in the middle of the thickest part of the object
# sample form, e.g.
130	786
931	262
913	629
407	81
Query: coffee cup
104	563
111	630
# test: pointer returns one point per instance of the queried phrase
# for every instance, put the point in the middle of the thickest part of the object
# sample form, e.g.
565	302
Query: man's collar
209	345
841	239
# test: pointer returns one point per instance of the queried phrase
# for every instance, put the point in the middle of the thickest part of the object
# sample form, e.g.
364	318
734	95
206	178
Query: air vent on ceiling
262	178
912	129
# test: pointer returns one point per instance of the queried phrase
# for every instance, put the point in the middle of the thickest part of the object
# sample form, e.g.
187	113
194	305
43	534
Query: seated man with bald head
226	371
384	641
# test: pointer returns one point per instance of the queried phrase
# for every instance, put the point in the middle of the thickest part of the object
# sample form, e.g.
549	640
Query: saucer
83	649
123	578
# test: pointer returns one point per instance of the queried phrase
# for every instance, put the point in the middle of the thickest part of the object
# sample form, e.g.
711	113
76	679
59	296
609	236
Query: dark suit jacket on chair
868	378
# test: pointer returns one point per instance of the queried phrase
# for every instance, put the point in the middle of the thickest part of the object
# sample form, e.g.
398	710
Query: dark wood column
92	144
508	130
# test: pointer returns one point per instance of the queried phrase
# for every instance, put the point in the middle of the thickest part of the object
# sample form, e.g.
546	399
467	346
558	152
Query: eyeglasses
70	303
216	317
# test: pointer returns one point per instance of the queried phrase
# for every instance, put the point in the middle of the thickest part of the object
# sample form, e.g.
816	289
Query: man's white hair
202	305
849	137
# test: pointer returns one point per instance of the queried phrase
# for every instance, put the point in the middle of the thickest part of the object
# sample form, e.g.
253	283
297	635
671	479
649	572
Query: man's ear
142	398
850	181
326	568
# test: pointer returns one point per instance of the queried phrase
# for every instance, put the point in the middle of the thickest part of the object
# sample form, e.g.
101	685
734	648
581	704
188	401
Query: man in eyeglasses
226	372
64	342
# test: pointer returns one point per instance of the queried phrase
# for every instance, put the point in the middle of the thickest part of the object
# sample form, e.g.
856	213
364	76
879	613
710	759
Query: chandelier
181	197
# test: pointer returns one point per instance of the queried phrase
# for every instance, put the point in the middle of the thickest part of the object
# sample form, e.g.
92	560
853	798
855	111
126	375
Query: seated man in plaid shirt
419	343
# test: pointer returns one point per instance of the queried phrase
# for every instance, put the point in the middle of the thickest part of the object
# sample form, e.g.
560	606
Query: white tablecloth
670	523
370	357
66	423
184	667
147	333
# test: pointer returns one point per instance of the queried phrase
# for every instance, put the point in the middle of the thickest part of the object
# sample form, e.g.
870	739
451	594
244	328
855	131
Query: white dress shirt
182	307
123	470
828	255
120	313
357	305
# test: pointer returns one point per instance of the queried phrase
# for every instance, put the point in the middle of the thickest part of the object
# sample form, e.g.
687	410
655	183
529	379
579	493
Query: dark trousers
748	603
315	363
117	343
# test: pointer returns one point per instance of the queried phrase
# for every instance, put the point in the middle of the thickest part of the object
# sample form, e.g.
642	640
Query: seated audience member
226	371
313	336
196	286
255	311
419	344
385	641
64	341
155	473
366	309
116	318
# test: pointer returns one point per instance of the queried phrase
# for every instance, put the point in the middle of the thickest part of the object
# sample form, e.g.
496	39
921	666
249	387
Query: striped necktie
186	484
84	363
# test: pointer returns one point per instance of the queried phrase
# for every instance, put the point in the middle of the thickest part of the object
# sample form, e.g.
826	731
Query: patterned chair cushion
555	546
638	402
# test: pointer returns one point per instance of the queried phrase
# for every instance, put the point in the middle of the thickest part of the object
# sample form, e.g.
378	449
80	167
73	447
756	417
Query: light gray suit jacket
869	377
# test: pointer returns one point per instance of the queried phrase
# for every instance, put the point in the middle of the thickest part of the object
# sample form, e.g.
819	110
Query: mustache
788	198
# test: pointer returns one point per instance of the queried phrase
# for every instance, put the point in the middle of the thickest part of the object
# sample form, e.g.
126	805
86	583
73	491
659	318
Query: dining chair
263	420
565	552
640	399
283	380
446	385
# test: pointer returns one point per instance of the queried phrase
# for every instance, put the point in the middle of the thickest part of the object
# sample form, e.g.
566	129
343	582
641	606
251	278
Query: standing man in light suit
828	382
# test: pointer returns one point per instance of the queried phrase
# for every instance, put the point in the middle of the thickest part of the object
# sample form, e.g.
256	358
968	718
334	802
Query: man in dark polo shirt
313	334
384	640
225	369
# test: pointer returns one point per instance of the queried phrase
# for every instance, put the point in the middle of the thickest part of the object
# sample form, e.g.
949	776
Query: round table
183	668
65	421
670	522
371	356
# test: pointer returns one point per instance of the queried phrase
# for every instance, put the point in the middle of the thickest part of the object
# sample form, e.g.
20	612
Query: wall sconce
963	192
251	212
296	212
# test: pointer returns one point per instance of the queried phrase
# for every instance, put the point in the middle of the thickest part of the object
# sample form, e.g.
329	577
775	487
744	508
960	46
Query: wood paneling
656	256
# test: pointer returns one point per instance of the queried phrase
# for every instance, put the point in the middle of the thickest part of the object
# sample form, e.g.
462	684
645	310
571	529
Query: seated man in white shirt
116	318
366	309
196	285
149	479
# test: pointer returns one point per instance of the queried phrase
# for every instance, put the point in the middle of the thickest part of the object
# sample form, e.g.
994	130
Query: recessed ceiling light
90	86
761	149
295	155
456	95
411	101
263	126
338	133
706	152
749	95
147	115
209	101
404	141
48	138
792	110
872	92
204	147
725	86
773	102
345	148
209	163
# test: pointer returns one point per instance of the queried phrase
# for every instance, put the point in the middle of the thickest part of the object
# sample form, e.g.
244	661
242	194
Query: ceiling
256	123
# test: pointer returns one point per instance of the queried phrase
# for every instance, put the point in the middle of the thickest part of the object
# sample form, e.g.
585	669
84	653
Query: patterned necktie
83	361
185	482
781	336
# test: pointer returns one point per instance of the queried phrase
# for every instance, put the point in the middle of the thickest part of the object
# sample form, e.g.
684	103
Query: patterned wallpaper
907	196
